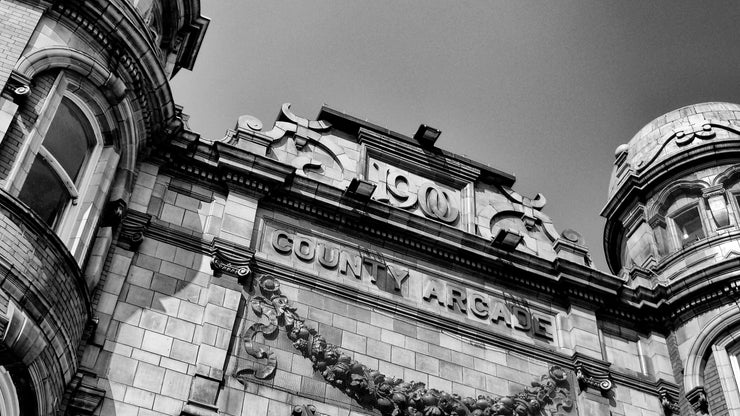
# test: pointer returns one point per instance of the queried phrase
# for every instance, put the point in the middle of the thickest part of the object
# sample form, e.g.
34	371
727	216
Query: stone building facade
329	265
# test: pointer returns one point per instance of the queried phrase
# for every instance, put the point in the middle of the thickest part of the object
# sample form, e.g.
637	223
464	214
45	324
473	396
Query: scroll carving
547	396
703	131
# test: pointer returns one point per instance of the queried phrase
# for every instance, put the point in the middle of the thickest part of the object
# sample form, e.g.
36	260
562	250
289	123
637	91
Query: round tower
673	234
84	92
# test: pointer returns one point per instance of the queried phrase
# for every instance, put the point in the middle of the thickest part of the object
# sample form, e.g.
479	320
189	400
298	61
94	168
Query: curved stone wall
46	306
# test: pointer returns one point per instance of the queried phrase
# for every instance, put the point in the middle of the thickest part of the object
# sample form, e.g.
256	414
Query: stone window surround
726	352
674	233
72	219
720	336
665	209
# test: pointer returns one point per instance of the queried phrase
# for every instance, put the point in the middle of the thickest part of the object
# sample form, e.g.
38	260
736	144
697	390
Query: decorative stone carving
549	396
505	209
305	410
85	397
133	226
218	266
301	143
273	306
18	87
602	382
682	138
405	190
717	204
698	399
669	404
229	258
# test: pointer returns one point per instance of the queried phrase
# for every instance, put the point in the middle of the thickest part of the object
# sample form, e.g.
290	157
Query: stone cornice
434	165
353	125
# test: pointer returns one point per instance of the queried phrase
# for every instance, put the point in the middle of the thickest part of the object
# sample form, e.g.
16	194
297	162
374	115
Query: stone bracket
305	410
667	399
698	399
17	88
133	226
590	379
85	397
229	258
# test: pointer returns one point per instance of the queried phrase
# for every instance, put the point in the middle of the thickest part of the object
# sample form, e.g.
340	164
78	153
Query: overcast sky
543	90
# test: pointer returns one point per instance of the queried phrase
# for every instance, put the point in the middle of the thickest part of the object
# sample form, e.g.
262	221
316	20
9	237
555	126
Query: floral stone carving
548	396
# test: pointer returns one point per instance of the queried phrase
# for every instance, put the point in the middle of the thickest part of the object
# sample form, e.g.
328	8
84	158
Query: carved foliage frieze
550	395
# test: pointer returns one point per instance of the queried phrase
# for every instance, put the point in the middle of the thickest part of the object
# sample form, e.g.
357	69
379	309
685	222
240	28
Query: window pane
43	192
69	138
689	226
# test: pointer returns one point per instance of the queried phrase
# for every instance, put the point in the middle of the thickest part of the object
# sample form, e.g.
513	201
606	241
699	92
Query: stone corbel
587	380
229	258
133	227
698	399
305	410
85	397
670	407
717	204
17	88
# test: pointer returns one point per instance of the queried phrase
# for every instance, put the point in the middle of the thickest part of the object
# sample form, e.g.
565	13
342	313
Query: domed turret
672	193
673	234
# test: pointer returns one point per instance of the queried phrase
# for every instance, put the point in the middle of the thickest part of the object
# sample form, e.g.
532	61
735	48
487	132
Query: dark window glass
68	138
689	226
44	192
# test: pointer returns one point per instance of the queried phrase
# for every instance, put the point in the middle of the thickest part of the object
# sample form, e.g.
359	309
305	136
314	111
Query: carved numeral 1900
401	191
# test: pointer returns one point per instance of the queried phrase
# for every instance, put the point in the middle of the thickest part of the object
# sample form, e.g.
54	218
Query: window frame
672	214
681	243
33	147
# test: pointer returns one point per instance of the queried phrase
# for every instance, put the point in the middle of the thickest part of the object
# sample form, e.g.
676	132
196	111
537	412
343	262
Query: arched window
53	179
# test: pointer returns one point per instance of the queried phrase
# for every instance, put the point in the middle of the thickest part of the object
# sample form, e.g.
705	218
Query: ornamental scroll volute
549	395
414	193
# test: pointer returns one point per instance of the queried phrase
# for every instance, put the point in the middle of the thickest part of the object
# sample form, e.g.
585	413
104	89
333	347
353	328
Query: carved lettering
375	265
522	318
378	175
368	266
437	203
333	261
282	242
434	289
400	187
304	248
456	298
543	327
479	305
499	312
399	275
353	262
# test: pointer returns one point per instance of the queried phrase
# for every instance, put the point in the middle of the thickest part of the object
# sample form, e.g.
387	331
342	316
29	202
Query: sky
543	90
